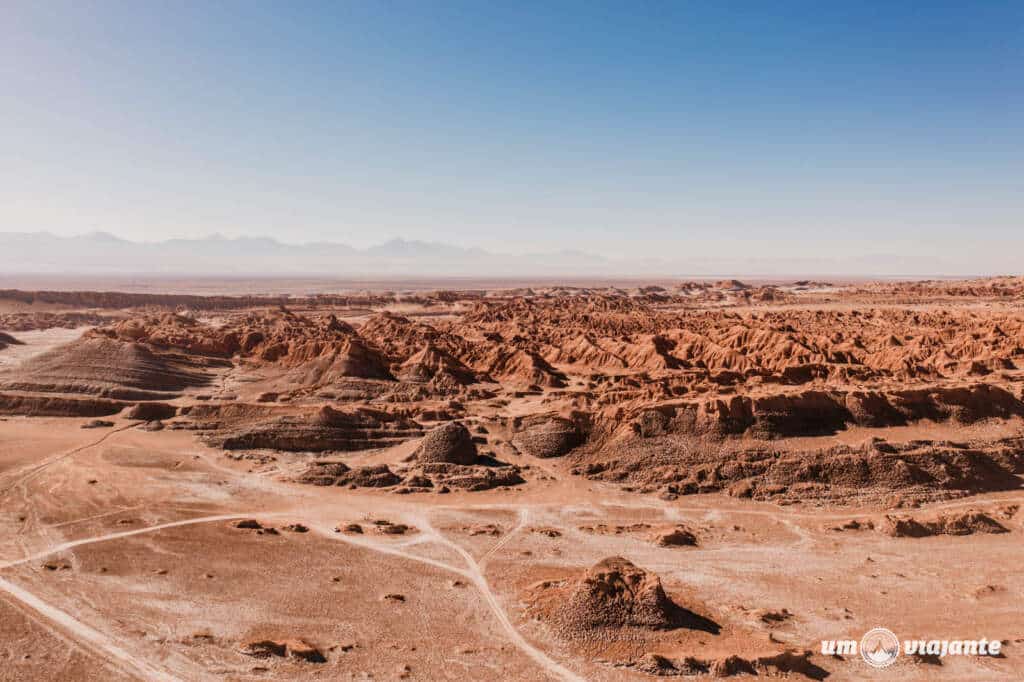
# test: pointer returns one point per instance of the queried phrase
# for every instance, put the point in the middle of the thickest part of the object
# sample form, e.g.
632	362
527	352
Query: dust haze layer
100	253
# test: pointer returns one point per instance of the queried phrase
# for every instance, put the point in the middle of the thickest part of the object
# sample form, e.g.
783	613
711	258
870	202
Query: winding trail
32	471
94	517
92	639
473	573
98	641
71	544
476	574
554	668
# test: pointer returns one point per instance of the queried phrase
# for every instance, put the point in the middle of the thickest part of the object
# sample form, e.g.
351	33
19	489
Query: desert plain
617	481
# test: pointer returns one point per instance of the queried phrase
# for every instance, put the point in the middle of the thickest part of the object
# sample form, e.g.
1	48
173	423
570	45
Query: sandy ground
119	558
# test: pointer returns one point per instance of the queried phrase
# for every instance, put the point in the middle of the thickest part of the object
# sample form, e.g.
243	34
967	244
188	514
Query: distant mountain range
103	253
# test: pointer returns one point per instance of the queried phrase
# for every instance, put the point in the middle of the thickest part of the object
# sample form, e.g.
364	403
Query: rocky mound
401	338
955	524
783	664
171	331
545	435
586	351
815	413
680	536
516	366
281	648
108	368
324	472
471	478
913	471
315	350
450	443
350	357
616	594
324	430
432	364
151	411
428	477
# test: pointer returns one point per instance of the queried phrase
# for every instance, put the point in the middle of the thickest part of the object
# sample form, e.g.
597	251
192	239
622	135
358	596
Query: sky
632	129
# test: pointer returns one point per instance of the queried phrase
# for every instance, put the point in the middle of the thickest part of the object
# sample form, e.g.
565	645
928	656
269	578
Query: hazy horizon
104	255
877	139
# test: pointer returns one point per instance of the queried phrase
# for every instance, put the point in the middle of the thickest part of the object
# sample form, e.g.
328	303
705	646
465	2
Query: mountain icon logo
879	647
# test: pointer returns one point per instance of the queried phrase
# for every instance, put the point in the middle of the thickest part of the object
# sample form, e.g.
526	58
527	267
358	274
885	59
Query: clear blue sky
633	128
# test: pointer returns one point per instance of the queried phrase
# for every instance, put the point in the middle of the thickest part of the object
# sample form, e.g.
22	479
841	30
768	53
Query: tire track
71	544
70	453
83	634
91	638
473	573
524	515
